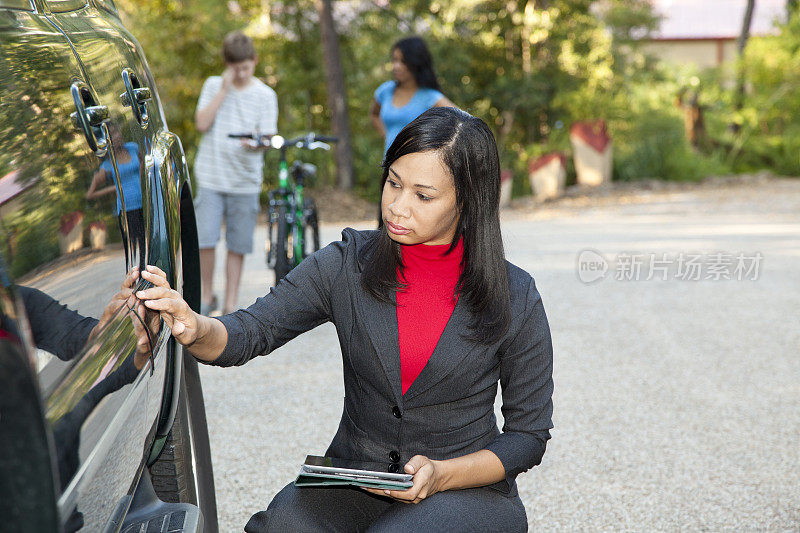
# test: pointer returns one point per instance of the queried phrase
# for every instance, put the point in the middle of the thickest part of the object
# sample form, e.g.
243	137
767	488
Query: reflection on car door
66	251
113	60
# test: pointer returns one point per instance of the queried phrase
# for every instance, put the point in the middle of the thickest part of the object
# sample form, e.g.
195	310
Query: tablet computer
330	471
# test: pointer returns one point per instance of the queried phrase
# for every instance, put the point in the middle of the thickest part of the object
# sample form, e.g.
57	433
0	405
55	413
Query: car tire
183	472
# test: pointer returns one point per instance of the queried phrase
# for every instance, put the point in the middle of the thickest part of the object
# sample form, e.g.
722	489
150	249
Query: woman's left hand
427	481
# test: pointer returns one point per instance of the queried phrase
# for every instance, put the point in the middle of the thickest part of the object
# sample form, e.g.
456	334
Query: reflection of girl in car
431	318
128	164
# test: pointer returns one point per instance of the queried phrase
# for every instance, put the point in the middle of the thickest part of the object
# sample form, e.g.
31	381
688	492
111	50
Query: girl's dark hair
418	60
467	148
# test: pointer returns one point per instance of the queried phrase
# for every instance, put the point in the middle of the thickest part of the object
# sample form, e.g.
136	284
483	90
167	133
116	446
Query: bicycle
292	219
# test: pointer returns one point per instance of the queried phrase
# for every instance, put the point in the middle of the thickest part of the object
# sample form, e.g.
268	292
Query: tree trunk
791	8
740	46
746	23
525	35
337	95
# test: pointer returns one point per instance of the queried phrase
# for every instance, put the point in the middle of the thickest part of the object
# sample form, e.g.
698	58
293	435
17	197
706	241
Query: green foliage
529	69
31	241
770	117
762	133
649	136
630	20
655	146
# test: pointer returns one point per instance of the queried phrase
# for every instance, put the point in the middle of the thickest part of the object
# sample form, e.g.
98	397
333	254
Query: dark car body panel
86	412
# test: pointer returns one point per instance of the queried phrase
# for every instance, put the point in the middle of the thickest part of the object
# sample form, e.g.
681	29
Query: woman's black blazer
449	409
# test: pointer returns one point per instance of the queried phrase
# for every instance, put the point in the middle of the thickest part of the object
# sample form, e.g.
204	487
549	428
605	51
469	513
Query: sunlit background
686	88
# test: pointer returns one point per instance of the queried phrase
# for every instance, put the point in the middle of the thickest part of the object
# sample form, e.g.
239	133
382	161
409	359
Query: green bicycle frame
293	216
296	230
298	234
283	174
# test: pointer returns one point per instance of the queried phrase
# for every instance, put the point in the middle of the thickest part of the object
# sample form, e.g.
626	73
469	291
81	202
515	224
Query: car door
67	256
115	63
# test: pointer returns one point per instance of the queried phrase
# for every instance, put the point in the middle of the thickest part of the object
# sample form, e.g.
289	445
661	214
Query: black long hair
418	60
467	148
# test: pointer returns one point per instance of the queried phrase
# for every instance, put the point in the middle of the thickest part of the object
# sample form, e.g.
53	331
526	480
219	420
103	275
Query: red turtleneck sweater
425	305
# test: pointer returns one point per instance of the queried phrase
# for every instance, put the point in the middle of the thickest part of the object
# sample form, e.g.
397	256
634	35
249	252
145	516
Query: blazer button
396	412
394	456
394	468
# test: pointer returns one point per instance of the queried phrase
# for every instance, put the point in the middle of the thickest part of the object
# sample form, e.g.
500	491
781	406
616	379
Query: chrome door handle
90	119
135	97
96	114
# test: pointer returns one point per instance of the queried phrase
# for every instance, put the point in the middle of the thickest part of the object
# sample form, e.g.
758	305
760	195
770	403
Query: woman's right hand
176	313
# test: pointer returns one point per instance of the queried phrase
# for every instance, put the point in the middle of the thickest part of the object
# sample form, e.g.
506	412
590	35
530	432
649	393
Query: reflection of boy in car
128	164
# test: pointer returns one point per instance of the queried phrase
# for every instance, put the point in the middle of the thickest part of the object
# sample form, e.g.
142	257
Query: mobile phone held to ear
329	471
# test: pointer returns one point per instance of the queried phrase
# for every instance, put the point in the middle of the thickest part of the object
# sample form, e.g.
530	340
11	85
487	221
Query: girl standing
413	90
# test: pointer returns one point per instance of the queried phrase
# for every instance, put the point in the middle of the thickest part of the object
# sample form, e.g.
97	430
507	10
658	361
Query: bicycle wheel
272	237
310	227
281	249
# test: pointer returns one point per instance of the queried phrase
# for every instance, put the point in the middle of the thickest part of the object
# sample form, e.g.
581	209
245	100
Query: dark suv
102	423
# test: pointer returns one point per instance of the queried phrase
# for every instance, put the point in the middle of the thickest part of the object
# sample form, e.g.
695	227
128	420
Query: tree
791	8
740	46
747	22
529	68
337	95
630	20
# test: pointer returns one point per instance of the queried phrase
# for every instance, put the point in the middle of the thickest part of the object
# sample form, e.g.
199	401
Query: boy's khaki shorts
240	212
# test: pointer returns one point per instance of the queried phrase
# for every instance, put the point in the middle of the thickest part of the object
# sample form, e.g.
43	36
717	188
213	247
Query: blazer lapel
449	352
380	320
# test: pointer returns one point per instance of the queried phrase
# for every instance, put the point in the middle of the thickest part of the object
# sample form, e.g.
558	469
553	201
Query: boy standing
229	171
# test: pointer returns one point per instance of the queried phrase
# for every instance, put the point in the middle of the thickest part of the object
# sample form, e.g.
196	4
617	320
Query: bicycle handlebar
309	141
305	141
261	141
246	136
326	139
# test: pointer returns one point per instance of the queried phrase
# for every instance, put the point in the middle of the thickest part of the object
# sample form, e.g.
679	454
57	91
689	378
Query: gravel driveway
676	400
